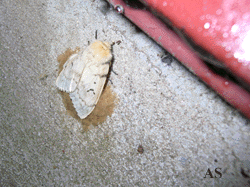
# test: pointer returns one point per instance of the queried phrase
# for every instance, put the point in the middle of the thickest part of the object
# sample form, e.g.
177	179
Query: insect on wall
94	69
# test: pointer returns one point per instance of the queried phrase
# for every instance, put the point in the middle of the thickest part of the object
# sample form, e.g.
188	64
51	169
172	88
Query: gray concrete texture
183	126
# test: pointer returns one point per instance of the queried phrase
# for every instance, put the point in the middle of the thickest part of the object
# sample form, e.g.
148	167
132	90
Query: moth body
84	75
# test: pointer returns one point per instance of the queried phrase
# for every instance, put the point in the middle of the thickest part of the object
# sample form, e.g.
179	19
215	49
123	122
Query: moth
84	75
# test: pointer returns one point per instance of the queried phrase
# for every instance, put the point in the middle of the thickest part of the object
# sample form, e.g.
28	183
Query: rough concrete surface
184	127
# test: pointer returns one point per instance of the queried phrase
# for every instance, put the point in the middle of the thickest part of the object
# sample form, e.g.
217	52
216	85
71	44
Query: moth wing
70	76
89	89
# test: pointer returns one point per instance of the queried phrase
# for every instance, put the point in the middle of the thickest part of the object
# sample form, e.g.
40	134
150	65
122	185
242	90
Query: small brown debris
140	149
118	42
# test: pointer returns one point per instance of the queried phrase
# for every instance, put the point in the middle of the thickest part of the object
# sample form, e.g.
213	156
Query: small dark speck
167	58
140	149
96	34
243	173
118	42
94	82
90	90
215	160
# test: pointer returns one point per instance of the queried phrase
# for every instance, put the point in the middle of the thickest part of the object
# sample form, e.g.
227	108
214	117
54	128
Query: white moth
84	75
